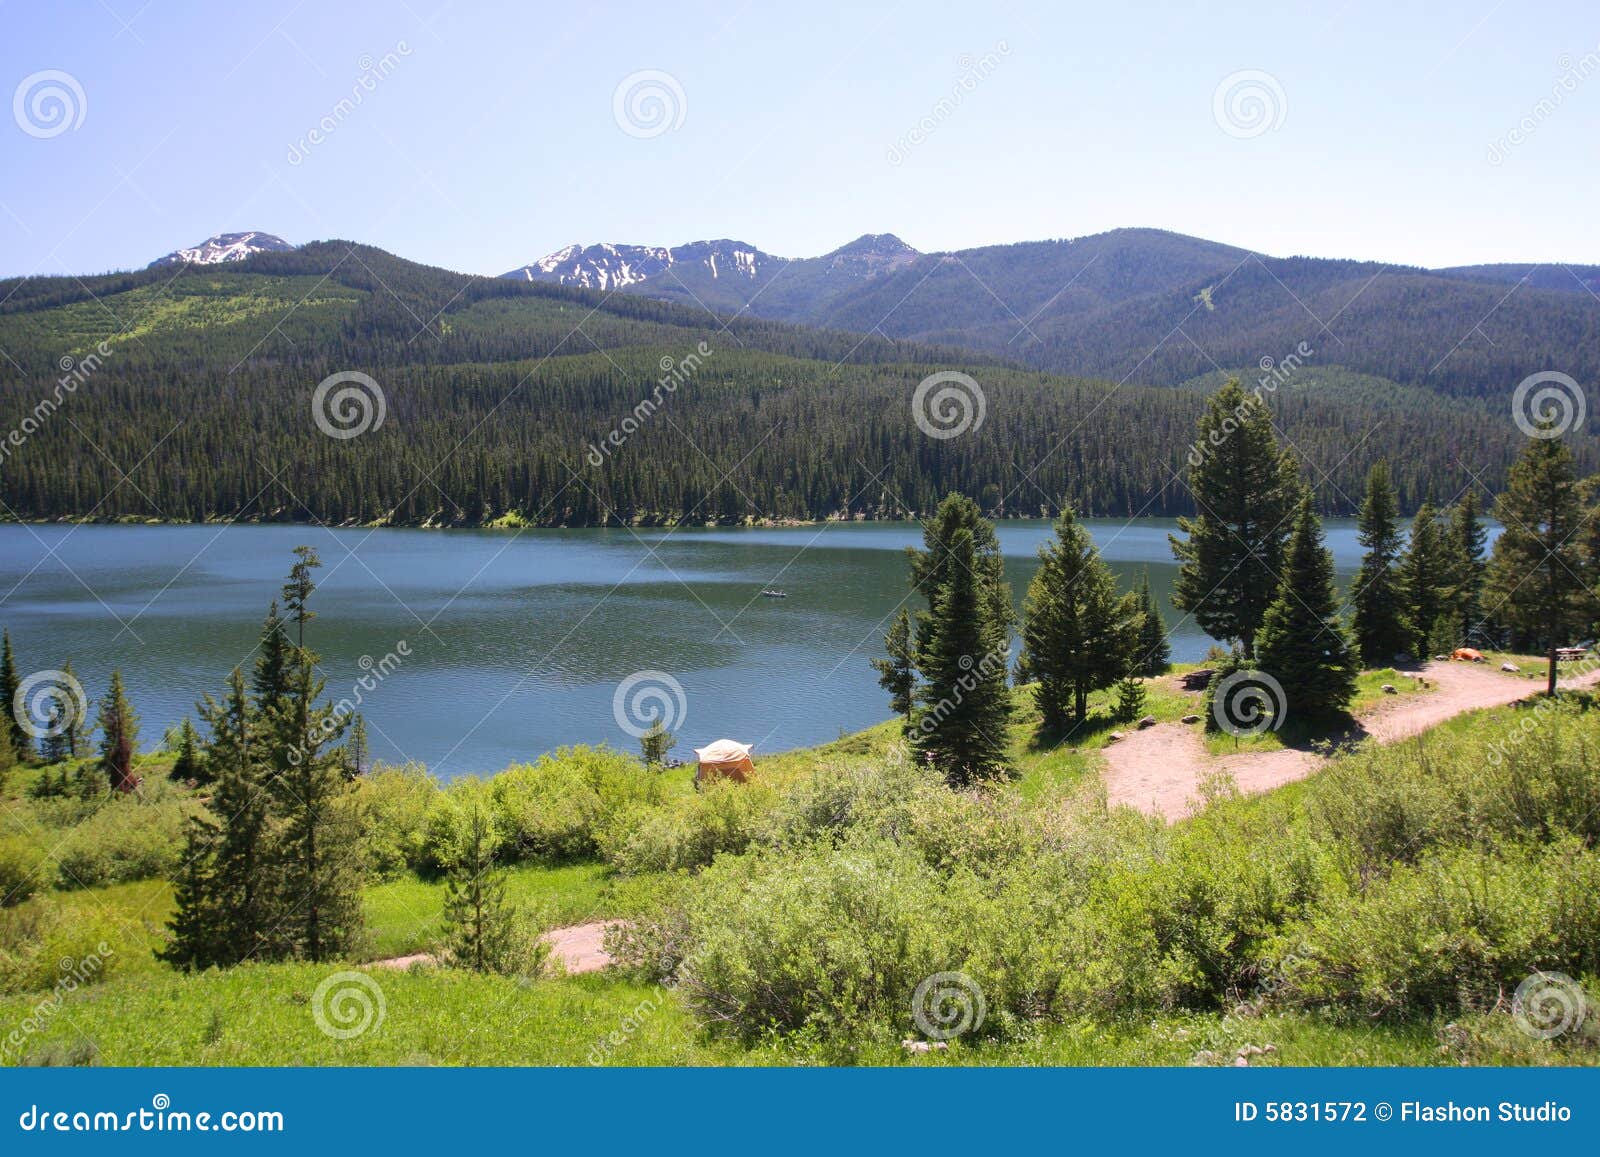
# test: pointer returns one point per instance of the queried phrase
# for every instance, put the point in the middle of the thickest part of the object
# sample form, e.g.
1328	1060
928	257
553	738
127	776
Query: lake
504	645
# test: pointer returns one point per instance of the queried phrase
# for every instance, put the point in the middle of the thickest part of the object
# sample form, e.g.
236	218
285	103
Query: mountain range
1137	304
1142	305
190	390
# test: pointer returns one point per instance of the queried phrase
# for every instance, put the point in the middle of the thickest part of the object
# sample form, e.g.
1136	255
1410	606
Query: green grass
265	1015
403	916
145	1014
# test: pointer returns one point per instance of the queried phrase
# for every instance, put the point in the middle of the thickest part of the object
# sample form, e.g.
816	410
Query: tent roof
723	751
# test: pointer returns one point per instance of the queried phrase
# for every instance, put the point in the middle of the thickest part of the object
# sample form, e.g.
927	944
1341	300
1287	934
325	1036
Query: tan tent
725	758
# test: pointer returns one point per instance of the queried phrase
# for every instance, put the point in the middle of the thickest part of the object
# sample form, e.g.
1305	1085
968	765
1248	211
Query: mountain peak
608	266
225	247
877	245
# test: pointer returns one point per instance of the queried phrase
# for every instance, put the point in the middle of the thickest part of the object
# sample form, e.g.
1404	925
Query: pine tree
199	923
655	743
1154	652
8	756
318	884
55	745
1425	575
356	749
21	741
1589	549
1078	633
188	766
119	737
78	725
1379	596
964	709
1245	490
930	566
479	926
1131	698
242	854
1303	641
269	683
1468	539
1535	581
898	673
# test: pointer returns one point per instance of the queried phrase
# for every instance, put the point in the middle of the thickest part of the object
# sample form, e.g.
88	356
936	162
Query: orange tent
1468	654
726	758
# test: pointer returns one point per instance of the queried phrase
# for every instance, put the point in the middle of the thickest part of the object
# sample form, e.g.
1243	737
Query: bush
126	839
828	941
690	831
1460	929
395	806
20	872
42	947
563	806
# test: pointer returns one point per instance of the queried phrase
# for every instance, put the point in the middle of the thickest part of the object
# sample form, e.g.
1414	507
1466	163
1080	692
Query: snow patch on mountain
225	247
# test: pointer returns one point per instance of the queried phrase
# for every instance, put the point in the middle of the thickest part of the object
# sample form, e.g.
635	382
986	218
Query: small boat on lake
774	593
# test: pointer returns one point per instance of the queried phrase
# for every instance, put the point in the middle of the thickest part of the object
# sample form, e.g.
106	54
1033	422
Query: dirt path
578	948
1158	770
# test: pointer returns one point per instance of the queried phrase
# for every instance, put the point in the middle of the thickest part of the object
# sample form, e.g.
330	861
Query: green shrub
44	948
562	806
689	831
1528	772
21	874
395	805
828	941
126	839
1459	929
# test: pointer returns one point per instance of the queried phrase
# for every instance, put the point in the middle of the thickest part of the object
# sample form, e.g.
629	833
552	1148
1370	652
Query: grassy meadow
1382	912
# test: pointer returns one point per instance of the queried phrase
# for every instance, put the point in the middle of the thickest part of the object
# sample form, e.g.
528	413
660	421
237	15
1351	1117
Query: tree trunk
1550	685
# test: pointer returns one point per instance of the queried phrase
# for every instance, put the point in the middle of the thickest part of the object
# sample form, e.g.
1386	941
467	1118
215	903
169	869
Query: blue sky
492	139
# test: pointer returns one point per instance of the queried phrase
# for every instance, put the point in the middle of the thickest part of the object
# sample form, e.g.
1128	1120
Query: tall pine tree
1303	640
1078	633
318	881
1536	582
1381	627
1154	652
965	702
119	737
1426	573
1245	489
21	741
1468	539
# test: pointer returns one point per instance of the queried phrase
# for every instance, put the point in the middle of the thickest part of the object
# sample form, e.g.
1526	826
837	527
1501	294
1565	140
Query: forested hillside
1111	305
189	395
